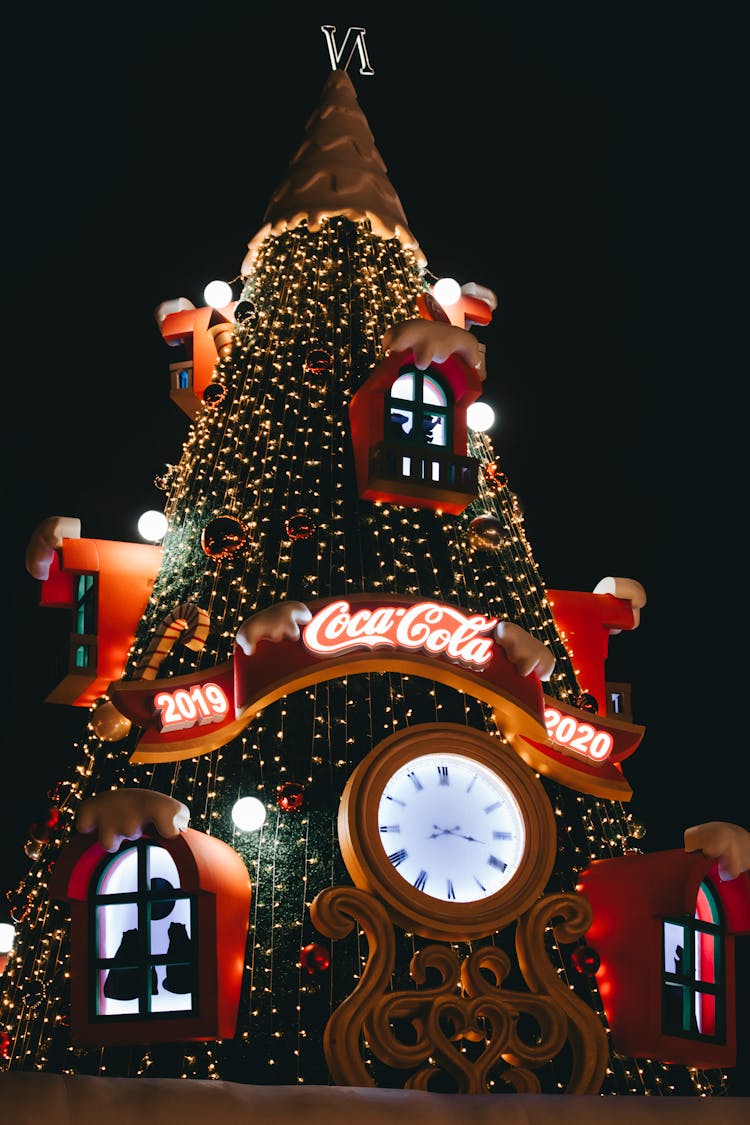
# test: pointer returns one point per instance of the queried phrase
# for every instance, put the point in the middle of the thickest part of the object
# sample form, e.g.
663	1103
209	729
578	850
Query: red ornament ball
586	960
20	912
108	723
587	702
318	361
4	1045
486	532
300	526
34	993
315	958
214	394
40	830
162	480
33	848
223	537
493	475
245	313
290	796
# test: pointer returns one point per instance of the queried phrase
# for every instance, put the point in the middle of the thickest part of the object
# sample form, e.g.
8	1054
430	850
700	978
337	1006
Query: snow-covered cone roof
337	170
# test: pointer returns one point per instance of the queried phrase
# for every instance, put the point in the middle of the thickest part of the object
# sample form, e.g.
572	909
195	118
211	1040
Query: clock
449	829
446	860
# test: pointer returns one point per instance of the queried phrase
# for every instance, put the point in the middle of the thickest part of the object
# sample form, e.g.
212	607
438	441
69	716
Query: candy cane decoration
187	623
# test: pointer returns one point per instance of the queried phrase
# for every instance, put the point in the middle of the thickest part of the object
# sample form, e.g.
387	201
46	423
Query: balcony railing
421	471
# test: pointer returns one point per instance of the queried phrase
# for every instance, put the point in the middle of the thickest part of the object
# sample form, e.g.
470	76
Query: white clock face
451	827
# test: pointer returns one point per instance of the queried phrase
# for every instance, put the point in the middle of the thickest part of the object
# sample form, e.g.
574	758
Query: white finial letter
359	44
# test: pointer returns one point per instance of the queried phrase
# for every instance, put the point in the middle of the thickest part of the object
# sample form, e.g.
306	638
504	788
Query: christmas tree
330	489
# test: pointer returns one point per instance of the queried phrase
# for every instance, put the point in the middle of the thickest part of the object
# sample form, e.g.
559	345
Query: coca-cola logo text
438	629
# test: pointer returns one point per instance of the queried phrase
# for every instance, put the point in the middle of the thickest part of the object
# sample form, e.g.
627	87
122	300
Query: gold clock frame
371	870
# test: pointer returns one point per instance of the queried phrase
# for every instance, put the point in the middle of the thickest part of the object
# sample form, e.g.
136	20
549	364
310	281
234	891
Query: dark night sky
585	167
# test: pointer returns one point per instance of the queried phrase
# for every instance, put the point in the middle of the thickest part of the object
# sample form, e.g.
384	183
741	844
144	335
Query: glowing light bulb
249	814
480	416
217	294
153	526
446	291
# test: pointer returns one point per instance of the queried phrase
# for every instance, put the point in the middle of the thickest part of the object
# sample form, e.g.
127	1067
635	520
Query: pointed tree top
337	170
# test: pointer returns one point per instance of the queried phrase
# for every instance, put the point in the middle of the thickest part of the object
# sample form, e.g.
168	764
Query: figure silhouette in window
674	997
179	977
678	960
124	978
398	421
428	425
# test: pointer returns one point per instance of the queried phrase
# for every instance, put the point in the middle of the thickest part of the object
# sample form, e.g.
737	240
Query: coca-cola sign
437	629
289	646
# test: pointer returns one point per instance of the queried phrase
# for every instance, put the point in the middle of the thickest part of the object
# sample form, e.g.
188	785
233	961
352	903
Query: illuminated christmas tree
345	620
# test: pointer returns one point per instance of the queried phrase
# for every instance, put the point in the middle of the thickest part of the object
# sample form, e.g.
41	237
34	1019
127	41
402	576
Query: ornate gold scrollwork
467	1006
570	915
334	912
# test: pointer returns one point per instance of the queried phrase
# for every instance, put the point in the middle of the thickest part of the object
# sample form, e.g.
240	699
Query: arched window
419	409
144	936
693	986
409	433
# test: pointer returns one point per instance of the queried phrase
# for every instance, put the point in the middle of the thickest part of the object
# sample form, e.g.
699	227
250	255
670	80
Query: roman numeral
495	862
396	801
480	885
414	780
398	857
443	775
451	892
502	835
337	54
470	786
390	827
491	808
420	880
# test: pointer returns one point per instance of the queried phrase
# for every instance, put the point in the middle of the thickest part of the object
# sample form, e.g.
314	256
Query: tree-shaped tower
349	808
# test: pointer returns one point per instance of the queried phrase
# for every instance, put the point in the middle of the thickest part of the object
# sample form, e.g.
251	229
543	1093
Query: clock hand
457	832
452	832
